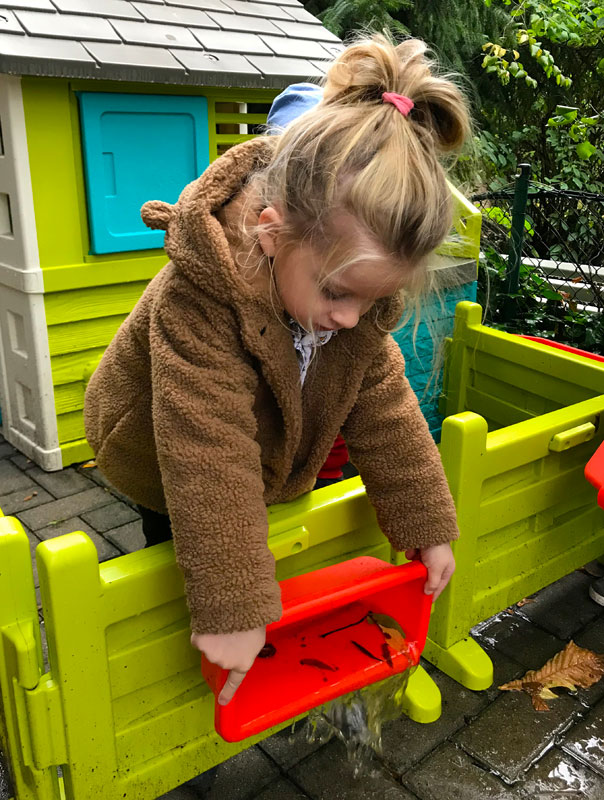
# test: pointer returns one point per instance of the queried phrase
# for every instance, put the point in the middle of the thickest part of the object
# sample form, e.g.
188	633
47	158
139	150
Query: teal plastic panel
137	148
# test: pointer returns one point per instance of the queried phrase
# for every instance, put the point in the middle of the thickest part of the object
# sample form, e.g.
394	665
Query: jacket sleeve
203	388
391	446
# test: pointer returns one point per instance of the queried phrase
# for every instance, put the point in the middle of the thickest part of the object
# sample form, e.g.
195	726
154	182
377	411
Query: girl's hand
440	563
233	651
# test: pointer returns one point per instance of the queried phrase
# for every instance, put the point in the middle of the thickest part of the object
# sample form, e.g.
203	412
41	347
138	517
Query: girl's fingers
233	682
444	580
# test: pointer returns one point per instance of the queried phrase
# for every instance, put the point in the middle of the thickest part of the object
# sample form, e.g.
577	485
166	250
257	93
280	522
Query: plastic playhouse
119	703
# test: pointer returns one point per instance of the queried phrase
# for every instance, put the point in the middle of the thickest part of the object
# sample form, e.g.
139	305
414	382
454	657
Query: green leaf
585	150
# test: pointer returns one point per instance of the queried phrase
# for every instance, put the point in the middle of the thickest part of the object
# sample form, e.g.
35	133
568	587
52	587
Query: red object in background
308	668
594	469
338	456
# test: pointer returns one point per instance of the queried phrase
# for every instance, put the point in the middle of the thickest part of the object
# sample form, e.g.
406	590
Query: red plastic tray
309	668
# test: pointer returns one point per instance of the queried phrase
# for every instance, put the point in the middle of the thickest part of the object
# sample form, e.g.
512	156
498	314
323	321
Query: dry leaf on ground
572	668
89	464
525	601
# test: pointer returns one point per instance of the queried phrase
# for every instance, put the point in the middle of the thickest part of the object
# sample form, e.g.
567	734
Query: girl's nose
346	315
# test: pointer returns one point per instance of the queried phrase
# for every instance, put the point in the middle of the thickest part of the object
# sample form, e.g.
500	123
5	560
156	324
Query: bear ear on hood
157	215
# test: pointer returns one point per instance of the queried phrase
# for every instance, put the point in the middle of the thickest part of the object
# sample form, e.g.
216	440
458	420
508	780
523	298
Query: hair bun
369	67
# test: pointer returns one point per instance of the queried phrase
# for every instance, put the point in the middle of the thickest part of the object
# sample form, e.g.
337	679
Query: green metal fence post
517	235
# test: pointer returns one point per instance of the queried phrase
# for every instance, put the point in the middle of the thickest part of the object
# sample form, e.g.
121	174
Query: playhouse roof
244	43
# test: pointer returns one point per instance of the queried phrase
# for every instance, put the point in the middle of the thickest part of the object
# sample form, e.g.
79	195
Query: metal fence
544	260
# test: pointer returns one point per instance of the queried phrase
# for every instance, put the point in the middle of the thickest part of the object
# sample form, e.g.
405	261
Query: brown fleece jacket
196	410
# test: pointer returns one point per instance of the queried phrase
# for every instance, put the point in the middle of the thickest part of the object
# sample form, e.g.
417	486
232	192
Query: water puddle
357	719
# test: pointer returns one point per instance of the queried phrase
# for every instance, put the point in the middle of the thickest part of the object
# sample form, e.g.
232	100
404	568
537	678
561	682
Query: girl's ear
270	220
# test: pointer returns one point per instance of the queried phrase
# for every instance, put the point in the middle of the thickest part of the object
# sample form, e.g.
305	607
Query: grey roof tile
301	15
9	22
150	33
132	55
286	67
175	16
321	66
302	48
257	9
280	3
332	49
98	8
26	55
231	41
204	5
197	61
235	22
34	5
67	26
301	30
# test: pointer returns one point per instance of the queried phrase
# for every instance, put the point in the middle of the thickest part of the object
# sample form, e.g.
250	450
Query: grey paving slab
243	776
564	607
154	34
586	740
301	48
528	733
174	15
9	24
448	772
302	30
37	5
95	474
23	500
100	8
237	22
558	775
286	67
248	7
287	748
328	775
592	638
23	462
504	669
105	549
281	790
198	62
65	508
135	57
6	789
230	41
128	538
110	516
12	479
406	742
67	26
61	483
519	639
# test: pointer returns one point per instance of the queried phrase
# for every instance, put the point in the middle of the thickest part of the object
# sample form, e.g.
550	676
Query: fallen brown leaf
525	601
571	668
89	464
30	496
391	630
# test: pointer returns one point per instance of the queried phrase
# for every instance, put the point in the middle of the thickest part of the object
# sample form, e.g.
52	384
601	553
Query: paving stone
586	740
104	548
281	790
95	474
6	790
7	450
129	537
564	607
12	479
60	484
22	461
111	516
23	500
448	772
65	508
527	732
328	775
557	775
405	742
519	640
505	669
287	748
180	793
242	776
592	638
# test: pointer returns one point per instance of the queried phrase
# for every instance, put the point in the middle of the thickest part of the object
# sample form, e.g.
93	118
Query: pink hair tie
402	103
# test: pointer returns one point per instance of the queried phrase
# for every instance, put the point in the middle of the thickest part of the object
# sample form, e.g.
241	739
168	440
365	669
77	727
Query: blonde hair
355	153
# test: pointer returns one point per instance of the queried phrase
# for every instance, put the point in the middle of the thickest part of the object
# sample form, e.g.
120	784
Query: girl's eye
330	295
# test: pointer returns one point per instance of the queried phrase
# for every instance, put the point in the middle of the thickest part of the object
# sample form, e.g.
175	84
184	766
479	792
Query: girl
266	334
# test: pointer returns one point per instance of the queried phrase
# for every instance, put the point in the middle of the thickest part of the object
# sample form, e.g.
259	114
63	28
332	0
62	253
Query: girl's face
321	298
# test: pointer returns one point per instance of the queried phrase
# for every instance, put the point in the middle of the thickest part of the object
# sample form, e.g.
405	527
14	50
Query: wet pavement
488	744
